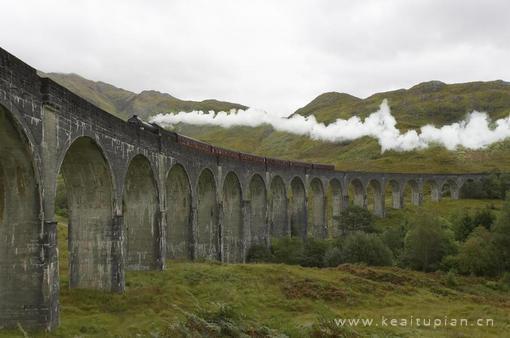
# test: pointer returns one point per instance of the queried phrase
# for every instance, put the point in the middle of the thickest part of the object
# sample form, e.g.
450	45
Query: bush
333	257
355	218
313	253
501	236
484	217
462	225
394	238
492	187
287	250
259	253
360	247
427	242
477	256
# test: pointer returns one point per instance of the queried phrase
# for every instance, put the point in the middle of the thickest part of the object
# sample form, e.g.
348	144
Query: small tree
427	242
360	247
501	236
484	217
477	256
355	218
462	224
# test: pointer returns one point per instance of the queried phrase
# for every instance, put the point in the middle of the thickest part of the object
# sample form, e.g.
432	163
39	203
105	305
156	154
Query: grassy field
275	300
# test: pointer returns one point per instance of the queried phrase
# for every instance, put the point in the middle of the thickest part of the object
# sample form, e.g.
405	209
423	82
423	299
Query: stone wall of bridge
139	195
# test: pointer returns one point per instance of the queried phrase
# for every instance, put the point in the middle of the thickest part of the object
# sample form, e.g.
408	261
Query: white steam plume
475	132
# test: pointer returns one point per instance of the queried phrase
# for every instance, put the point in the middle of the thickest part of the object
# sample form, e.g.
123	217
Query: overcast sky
272	55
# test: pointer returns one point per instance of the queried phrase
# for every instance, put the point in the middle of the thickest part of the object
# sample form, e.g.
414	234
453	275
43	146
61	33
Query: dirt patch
313	289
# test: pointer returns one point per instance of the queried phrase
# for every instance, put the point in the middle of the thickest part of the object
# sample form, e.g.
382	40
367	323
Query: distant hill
429	102
124	104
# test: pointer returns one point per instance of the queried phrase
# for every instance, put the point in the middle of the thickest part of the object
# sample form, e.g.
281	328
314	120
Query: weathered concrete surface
259	230
90	199
140	209
178	197
298	209
139	194
278	214
232	221
208	231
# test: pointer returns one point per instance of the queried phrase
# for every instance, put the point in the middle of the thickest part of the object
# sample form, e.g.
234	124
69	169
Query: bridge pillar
454	192
435	193
117	238
194	230
398	199
161	254
345	202
51	278
379	209
246	232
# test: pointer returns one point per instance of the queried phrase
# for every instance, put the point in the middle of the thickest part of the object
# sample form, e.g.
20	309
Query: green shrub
287	250
462	224
355	218
427	242
333	256
394	238
477	256
501	236
314	251
360	247
258	254
451	279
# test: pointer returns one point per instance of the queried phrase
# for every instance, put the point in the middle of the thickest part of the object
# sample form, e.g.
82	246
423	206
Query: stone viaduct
138	195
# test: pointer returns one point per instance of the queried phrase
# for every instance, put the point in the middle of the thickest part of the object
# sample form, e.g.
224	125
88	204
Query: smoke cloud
475	132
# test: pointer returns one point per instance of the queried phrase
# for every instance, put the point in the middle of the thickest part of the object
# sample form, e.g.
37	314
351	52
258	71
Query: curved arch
376	203
89	189
397	197
232	226
298	212
178	198
316	206
140	210
259	231
335	206
431	188
278	208
359	194
450	187
207	244
414	194
21	274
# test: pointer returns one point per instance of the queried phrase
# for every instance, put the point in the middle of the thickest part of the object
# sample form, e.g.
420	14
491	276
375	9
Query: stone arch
411	192
470	188
259	233
141	213
278	209
21	274
357	190
432	190
450	188
207	244
316	210
375	196
90	194
298	212
178	199
232	225
396	194
335	205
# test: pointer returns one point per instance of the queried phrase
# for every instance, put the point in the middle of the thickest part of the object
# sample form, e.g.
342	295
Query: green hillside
124	104
428	102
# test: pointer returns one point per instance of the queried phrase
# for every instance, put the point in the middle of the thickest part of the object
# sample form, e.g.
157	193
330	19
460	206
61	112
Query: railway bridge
138	195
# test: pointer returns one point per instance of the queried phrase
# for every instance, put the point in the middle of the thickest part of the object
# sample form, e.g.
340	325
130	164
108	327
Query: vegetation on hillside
123	103
429	102
278	300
